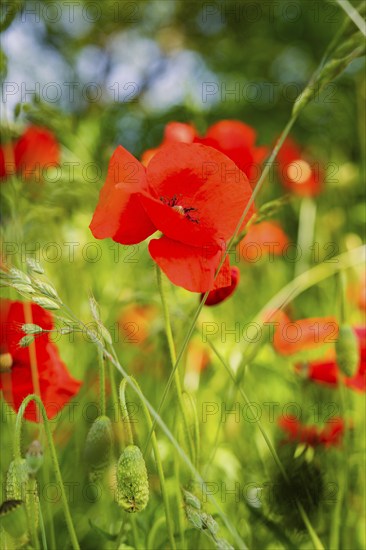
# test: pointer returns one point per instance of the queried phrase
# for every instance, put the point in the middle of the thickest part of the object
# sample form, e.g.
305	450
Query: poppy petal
35	149
119	213
205	181
193	268
218	295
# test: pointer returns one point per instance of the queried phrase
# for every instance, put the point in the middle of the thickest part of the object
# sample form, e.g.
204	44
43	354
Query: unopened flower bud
13	518
98	445
132	480
17	480
347	350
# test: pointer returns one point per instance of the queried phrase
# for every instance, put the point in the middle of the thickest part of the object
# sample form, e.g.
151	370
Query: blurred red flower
330	435
220	294
295	172
198	356
135	323
232	137
193	194
295	336
326	371
356	291
262	239
57	387
36	149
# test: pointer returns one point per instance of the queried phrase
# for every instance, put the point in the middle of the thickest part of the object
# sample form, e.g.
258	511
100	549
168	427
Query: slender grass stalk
56	467
179	501
124	409
353	15
135	533
102	394
153	531
196	428
159	466
173	359
312	533
342	478
337	519
32	512
42	529
305	235
46	480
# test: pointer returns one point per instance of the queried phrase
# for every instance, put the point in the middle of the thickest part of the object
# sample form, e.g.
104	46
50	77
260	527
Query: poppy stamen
6	362
182	210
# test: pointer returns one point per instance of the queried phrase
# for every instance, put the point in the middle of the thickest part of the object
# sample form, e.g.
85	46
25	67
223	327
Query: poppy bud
132	480
98	445
34	456
13	519
347	350
17	480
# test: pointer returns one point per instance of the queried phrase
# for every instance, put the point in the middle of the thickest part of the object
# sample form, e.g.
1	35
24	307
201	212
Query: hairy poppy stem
102	399
173	358
56	467
159	466
124	410
305	234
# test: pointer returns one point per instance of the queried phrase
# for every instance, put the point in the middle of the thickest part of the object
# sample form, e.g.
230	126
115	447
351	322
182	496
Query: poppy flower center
186	212
6	362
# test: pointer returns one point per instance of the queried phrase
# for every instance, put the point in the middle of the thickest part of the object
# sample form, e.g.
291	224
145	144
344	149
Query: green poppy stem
56	467
305	235
102	394
124	410
173	358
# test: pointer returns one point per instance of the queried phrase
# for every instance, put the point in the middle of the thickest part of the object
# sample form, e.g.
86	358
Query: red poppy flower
296	173
36	149
198	356
330	435
56	385
293	337
263	239
193	194
232	137
220	294
326	371
135	323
